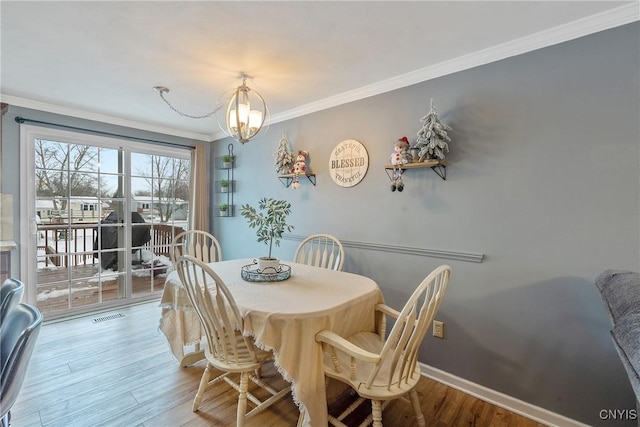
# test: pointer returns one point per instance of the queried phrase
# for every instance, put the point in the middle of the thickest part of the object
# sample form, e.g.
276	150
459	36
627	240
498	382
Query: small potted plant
227	161
224	185
270	221
223	208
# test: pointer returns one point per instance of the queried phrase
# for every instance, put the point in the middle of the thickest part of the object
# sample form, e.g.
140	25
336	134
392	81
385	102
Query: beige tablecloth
285	317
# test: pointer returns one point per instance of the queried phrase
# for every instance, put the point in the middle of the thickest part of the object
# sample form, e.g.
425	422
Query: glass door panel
103	213
156	197
78	249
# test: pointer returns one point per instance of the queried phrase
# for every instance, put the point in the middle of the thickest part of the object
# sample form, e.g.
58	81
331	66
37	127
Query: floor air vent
107	317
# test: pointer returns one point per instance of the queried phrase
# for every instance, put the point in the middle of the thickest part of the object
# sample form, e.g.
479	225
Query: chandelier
245	111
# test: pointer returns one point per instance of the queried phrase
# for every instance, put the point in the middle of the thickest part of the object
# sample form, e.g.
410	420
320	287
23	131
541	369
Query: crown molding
102	118
582	27
592	24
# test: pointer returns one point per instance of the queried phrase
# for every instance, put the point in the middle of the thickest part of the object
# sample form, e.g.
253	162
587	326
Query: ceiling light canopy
245	111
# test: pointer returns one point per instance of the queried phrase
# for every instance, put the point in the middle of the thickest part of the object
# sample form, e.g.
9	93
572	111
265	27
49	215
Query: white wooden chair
197	243
383	370
227	349
320	250
204	247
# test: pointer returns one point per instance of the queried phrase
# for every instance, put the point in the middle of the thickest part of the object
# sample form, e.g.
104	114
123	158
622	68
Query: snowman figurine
299	168
400	156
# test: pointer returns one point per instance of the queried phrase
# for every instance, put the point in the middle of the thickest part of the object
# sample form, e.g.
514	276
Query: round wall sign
348	163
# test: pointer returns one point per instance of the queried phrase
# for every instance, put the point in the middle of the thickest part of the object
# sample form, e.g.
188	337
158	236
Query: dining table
284	317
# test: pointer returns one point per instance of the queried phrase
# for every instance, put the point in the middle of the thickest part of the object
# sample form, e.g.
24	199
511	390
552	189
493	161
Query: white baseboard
502	400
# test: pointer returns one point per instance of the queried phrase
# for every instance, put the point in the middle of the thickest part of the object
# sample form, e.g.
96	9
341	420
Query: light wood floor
120	372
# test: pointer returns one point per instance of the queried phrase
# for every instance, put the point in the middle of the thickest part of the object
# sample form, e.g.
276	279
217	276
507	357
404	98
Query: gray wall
543	180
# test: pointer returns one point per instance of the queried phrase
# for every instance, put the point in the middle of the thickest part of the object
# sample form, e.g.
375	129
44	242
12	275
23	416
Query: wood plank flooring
120	372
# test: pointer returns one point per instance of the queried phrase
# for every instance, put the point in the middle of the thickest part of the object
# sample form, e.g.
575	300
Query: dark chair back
18	336
10	295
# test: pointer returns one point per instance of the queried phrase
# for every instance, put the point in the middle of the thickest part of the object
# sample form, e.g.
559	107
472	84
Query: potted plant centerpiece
270	222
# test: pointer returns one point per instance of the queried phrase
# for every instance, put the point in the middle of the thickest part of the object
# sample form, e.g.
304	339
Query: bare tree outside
168	179
64	169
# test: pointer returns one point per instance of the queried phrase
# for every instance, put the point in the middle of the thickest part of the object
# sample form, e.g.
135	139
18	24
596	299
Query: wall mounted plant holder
287	179
225	186
438	166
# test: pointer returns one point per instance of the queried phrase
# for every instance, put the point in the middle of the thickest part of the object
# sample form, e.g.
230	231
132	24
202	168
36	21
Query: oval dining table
285	316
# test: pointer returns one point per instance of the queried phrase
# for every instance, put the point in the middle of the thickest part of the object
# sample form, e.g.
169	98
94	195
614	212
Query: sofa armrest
620	291
626	336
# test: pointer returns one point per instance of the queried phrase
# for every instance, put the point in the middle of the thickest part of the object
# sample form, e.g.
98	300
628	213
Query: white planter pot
268	265
224	189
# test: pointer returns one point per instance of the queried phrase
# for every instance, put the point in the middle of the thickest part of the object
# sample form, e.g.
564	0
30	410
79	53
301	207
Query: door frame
28	226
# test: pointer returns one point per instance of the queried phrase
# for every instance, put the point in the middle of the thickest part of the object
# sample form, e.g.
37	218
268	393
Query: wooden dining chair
205	247
197	243
382	370
320	250
227	349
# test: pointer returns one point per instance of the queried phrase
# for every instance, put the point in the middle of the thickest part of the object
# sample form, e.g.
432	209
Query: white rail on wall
407	250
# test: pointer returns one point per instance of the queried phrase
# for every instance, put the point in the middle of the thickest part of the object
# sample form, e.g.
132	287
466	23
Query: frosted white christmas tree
284	157
432	138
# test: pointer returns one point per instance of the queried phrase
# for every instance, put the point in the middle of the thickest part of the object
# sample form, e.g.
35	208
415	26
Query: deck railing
68	245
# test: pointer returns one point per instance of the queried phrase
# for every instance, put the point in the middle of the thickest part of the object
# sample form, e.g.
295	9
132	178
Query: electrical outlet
438	329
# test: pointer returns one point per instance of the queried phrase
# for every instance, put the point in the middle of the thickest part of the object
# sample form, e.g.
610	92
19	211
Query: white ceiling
100	60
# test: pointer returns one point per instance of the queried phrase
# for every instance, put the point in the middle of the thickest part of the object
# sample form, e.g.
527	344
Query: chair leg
376	412
415	402
300	419
242	399
204	381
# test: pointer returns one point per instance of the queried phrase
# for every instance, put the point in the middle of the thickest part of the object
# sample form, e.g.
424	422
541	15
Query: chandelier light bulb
241	113
255	120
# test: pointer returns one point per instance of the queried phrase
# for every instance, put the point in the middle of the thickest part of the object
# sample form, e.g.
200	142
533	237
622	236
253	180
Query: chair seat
243	359
371	342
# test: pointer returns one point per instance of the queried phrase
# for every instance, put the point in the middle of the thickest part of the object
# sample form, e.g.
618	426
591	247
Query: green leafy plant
227	158
270	220
223	207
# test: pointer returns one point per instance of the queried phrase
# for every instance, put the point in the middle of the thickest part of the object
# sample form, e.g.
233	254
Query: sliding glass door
99	215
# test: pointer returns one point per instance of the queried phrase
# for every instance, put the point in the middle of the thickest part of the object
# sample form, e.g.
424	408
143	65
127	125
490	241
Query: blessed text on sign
348	163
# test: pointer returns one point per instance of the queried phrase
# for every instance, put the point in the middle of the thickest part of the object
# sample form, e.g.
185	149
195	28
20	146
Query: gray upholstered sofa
620	292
